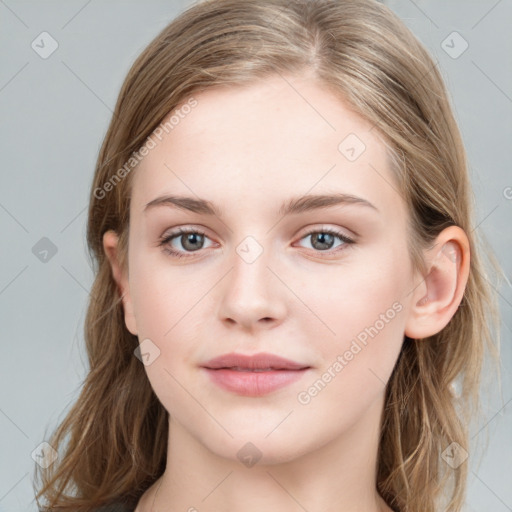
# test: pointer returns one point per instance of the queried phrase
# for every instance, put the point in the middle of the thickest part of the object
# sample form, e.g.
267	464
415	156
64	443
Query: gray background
54	115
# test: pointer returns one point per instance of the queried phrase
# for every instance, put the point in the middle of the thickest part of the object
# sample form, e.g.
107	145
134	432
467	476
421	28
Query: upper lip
260	361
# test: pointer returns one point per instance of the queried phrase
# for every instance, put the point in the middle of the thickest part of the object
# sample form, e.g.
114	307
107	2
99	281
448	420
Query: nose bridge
250	276
251	292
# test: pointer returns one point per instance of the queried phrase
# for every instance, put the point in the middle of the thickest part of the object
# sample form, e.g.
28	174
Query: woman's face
269	272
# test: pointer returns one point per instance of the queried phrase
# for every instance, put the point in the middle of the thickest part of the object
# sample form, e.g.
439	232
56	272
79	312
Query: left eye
193	240
190	240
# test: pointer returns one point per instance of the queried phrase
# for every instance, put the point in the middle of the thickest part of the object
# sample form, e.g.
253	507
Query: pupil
190	238
321	236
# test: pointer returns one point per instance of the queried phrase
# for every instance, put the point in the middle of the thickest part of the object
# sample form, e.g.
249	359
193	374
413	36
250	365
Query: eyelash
180	231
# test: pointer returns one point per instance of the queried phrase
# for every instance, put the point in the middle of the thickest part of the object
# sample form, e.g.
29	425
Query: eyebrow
294	205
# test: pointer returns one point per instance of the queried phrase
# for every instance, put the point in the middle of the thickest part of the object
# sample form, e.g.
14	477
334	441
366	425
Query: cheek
164	297
347	298
357	363
165	314
362	313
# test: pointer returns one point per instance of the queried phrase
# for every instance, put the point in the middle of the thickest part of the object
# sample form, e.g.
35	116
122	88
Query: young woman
289	311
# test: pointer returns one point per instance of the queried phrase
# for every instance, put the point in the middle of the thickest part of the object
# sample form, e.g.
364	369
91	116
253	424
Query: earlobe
436	299
110	246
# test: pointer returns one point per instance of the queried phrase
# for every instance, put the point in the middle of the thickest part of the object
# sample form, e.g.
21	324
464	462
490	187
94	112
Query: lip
253	375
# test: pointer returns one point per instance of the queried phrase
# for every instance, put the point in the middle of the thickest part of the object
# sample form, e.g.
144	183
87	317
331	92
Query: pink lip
236	373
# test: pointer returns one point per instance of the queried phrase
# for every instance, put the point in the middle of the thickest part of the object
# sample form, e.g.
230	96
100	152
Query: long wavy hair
112	444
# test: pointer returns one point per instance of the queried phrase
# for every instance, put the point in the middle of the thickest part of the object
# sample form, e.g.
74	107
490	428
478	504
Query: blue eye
193	237
319	236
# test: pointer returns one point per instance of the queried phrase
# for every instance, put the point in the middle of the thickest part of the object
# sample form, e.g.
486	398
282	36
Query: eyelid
179	230
329	228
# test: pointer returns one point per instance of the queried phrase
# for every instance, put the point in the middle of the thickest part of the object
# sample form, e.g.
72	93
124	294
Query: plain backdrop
54	112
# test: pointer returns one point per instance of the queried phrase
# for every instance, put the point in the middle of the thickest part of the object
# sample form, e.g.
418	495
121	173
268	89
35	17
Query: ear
110	245
436	299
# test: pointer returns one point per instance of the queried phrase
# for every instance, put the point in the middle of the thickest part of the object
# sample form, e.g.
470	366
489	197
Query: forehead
265	142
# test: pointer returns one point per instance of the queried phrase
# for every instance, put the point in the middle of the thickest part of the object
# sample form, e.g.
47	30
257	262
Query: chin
251	448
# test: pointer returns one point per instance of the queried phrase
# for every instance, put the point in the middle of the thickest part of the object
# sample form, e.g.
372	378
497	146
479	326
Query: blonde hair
361	51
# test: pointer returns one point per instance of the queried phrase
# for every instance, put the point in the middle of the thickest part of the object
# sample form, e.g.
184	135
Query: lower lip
254	383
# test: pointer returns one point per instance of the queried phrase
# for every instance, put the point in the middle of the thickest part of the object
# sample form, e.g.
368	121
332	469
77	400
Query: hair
362	52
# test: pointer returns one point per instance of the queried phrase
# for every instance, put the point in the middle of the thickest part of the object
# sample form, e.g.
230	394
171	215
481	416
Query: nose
252	294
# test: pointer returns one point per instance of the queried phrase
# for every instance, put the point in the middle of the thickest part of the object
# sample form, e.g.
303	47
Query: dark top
115	507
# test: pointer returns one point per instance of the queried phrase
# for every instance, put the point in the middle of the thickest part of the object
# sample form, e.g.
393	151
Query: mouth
254	375
263	361
239	369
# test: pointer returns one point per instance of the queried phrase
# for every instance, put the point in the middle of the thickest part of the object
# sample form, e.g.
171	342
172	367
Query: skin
247	150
